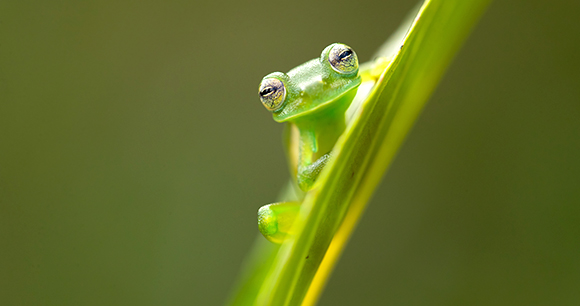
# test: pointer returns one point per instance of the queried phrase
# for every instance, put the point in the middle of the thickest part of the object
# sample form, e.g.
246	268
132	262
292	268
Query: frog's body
313	97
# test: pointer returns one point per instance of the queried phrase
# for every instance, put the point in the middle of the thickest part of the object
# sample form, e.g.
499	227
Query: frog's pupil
266	91
344	54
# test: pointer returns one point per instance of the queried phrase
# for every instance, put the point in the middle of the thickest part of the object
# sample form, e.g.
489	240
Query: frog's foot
307	174
275	220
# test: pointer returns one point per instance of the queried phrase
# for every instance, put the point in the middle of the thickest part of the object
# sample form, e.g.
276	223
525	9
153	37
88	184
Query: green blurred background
134	154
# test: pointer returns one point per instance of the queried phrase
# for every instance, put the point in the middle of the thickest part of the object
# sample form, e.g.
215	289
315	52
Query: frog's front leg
316	143
307	174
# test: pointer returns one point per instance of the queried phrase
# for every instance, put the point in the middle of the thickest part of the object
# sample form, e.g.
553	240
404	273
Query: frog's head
318	84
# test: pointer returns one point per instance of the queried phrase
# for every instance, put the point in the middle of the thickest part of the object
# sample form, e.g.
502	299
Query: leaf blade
332	208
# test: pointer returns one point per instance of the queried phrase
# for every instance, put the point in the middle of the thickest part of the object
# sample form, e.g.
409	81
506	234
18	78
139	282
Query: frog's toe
305	182
275	220
307	175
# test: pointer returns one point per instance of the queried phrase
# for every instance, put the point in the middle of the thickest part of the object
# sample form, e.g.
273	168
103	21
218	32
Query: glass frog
313	98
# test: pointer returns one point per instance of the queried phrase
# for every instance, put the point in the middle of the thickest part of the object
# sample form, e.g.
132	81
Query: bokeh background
134	153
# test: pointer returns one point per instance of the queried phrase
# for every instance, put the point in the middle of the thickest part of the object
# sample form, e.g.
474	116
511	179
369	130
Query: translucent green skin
316	102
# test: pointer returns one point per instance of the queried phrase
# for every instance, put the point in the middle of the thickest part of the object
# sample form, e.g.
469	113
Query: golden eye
343	59
272	93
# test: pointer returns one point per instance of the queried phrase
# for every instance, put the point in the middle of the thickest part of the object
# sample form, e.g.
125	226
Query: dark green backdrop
134	154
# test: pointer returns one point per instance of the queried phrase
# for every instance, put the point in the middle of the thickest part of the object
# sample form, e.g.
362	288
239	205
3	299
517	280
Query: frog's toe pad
275	220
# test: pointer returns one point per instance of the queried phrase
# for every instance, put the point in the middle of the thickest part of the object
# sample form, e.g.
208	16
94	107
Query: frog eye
343	59
272	93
